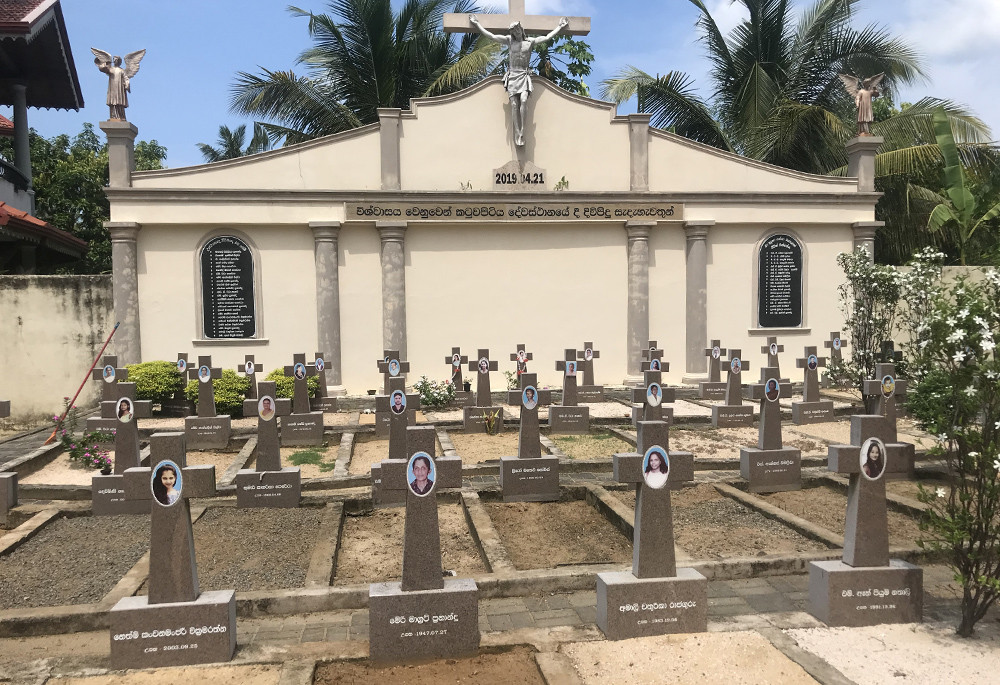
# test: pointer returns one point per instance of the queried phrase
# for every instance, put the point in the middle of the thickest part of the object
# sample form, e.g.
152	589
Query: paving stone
581	599
727	602
587	614
762	590
359	619
561	601
314	635
501	622
748	582
771	602
522	620
729	610
719	589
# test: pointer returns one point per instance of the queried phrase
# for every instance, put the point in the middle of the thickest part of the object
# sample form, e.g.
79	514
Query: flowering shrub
433	393
513	381
83	448
957	397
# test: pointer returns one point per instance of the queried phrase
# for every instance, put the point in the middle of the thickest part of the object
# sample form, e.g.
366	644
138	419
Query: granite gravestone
268	484
323	401
455	361
569	417
391	366
866	587
521	357
389	476
656	597
475	418
303	426
770	467
397	405
812	409
713	388
772	349
588	392
8	480
250	369
107	374
887	387
530	476
207	430
733	412
426	616
175	624
108	492
179	405
648	400
836	345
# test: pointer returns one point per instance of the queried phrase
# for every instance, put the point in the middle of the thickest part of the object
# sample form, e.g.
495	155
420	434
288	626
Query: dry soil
515	667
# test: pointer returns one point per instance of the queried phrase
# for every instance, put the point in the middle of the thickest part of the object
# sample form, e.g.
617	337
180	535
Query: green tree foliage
230	391
69	176
231	143
157	381
285	385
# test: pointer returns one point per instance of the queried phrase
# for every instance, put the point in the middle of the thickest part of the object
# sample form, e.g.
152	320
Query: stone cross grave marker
391	366
268	484
530	476
888	388
772	349
389	482
107	374
521	357
733	412
770	467
323	401
889	353
250	368
836	345
108	492
713	388
145	629
397	405
648	400
652	359
656	597
455	360
178	405
569	417
398	630
865	587
474	417
588	392
303	426
811	409
207	430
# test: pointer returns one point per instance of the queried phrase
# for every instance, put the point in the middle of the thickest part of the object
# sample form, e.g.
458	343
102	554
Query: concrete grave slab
630	607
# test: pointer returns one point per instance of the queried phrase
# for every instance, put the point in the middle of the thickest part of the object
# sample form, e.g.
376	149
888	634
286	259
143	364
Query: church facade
430	230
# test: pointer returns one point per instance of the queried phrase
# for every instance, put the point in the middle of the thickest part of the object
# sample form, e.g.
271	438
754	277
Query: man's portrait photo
397	402
771	390
654	395
420	473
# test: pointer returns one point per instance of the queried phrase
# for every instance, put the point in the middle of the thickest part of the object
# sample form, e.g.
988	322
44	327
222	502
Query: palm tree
231	144
363	57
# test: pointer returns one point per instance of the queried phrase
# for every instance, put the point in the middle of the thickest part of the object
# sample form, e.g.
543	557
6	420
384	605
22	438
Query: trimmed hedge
230	391
157	381
285	385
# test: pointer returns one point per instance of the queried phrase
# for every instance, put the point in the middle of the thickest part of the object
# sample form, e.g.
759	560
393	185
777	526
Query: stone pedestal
771	470
589	394
269	489
708	390
145	635
404	627
630	607
569	420
732	416
327	405
8	493
842	595
95	423
639	413
382	421
529	480
464	399
108	497
474	422
813	412
383	497
207	432
302	429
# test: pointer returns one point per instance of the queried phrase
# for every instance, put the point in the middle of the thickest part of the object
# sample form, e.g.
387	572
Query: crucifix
108	373
267	408
521	357
206	394
390	366
529	398
455	360
568	366
300	371
771	349
397	405
587	357
483	365
250	368
887	387
770	467
648	401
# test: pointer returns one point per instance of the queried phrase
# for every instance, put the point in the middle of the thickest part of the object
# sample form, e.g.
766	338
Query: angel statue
863	91
118	79
517	80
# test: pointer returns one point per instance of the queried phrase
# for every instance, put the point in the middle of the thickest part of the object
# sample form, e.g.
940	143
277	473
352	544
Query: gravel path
72	561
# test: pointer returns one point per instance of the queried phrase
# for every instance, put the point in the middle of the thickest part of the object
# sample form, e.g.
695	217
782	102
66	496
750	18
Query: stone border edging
491	547
239	462
27	530
816	667
345	452
796	523
900	503
323	561
33	461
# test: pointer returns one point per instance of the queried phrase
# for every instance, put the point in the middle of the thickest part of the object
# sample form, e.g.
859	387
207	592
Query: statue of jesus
517	80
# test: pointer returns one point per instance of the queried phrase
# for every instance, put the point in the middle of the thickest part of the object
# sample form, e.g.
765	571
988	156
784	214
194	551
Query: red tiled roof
18	10
22	222
6	127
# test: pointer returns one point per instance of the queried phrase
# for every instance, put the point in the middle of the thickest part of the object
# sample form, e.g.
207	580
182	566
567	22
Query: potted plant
466	385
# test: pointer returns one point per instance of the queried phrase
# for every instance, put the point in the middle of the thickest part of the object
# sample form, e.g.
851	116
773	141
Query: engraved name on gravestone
811	409
733	412
569	417
770	467
714	388
108	491
227	289
530	476
207	430
475	419
303	426
455	360
588	392
268	484
779	284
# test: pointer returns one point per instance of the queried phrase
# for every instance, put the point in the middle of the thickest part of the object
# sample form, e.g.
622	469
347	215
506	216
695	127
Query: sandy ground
685	408
911	488
217	675
828	508
917	654
371	547
704	444
340	418
516	667
327	461
367	450
735	658
221	460
600	445
369	419
547	534
176	423
62	471
475	448
834	432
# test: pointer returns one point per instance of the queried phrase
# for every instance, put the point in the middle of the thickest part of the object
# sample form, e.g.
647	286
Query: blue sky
181	95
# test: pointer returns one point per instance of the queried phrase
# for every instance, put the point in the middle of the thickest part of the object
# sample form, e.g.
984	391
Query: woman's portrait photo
484	365
250	368
124	410
529	397
888	386
522	356
456	360
654	395
588	355
736	365
320	364
774	349
182	365
420	474
571	369
654	365
873	459
656	467
393	367
397	402
771	390
299	371
167	483
813	362
836	343
265	407
109	374
204	374
716	352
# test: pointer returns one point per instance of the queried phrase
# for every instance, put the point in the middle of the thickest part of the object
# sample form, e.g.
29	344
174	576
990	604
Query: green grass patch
591	436
312	456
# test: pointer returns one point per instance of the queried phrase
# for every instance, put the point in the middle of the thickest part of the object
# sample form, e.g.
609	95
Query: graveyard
699	428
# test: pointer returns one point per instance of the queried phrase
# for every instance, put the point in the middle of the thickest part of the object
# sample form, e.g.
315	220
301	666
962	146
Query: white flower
959	356
979	320
956	335
987	345
940	492
951	321
960	291
991	375
943	437
973	454
970	391
964	313
924	344
996	464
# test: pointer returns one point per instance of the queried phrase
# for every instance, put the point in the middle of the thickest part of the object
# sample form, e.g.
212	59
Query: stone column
638	138
121	152
125	287
388	120
864	235
696	300
22	150
326	234
393	285
638	296
861	161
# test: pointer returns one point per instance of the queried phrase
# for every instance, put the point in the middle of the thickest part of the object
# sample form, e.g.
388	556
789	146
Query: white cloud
951	28
571	8
727	14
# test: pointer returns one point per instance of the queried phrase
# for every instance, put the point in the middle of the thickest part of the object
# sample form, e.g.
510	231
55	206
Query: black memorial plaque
228	289
779	299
